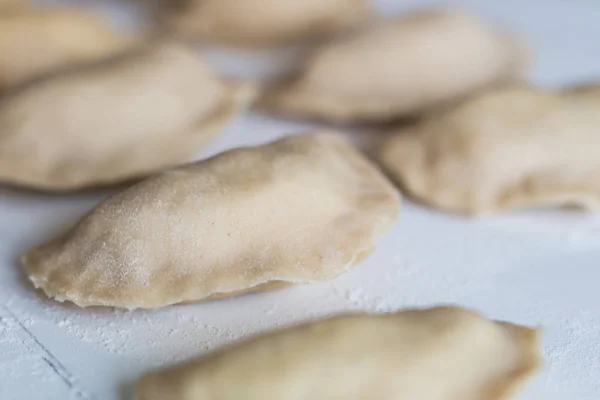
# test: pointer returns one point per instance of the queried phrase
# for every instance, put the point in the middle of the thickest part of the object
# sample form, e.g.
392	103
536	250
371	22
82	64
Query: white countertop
536	267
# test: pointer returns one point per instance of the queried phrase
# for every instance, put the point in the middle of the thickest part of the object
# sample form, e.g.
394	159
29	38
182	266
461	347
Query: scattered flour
21	351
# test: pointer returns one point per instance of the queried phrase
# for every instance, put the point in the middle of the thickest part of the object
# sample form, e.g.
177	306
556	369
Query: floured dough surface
301	209
37	41
515	146
262	22
399	67
443	353
115	121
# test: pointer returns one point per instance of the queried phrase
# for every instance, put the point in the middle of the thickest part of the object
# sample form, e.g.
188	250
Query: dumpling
262	22
442	353
515	146
116	121
397	68
301	209
37	41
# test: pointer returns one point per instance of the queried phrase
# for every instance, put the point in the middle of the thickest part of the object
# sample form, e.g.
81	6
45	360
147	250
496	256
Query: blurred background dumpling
261	22
34	41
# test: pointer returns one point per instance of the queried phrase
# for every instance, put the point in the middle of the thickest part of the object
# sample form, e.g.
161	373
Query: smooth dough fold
442	353
398	67
512	147
115	121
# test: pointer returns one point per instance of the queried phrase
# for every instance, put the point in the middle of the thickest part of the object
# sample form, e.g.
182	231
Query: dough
262	22
589	91
301	209
443	353
398	67
6	5
112	122
515	146
37	41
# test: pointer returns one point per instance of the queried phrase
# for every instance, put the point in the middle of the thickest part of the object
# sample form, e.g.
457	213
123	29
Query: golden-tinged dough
301	209
263	22
6	5
515	146
442	353
398	67
120	120
37	41
11	5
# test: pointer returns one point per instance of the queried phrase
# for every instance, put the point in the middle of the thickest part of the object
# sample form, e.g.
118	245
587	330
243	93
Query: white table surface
535	267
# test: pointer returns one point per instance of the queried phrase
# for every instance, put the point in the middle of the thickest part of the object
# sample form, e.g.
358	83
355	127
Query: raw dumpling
37	41
263	22
514	146
398	67
301	209
115	121
443	353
